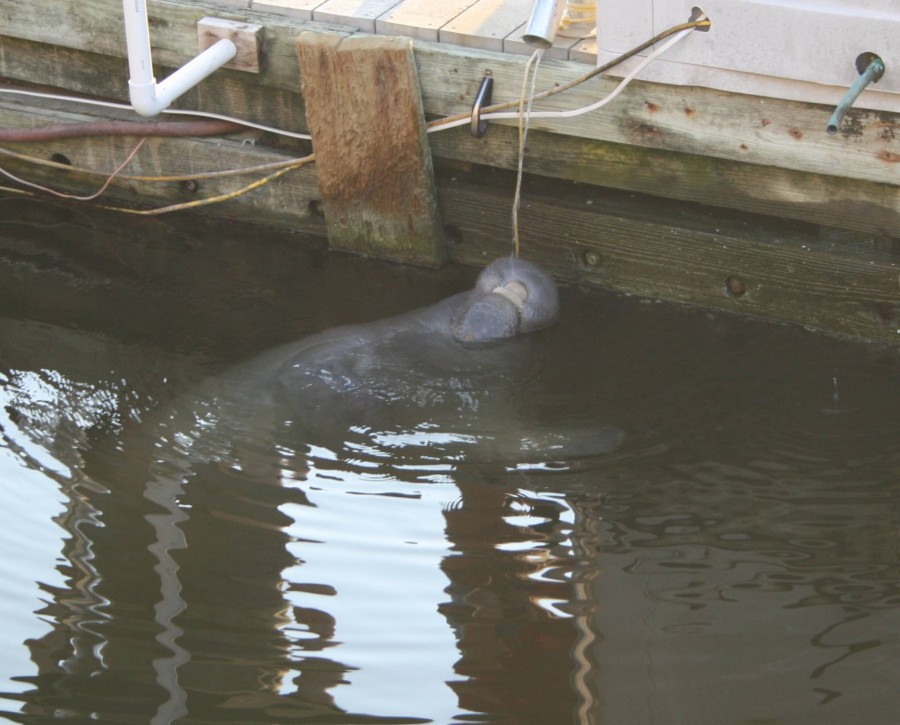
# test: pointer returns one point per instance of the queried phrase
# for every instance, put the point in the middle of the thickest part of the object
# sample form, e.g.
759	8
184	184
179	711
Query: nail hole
735	287
61	159
316	208
454	234
592	259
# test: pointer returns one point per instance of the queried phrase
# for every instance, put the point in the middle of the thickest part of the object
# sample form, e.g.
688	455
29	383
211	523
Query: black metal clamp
482	100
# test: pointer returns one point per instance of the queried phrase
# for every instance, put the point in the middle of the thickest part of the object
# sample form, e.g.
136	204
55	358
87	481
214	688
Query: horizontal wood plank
691	120
828	291
651	254
813	198
768	183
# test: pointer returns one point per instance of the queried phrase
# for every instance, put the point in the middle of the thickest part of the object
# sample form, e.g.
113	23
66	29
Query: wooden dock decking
678	193
495	25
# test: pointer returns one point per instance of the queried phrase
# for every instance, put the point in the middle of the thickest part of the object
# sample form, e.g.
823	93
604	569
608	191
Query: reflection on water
176	552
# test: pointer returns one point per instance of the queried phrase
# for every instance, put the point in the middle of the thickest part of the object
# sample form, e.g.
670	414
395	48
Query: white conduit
149	98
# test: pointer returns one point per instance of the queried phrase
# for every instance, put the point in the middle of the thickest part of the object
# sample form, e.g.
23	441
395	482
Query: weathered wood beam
697	121
814	198
817	198
692	120
364	110
791	281
715	263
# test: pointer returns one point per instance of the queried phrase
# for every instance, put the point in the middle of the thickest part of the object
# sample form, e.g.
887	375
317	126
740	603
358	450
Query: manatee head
511	297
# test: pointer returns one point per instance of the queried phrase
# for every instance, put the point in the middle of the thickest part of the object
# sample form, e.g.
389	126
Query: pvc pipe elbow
143	98
149	98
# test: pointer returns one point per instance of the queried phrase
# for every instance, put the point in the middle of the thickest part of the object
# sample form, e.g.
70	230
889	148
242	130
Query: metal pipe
544	22
149	98
871	73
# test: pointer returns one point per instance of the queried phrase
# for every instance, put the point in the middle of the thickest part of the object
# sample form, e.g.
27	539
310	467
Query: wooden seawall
686	194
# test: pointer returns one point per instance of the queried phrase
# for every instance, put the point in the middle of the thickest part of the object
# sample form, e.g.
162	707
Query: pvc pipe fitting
149	98
544	22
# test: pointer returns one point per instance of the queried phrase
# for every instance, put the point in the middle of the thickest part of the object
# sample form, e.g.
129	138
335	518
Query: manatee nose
492	316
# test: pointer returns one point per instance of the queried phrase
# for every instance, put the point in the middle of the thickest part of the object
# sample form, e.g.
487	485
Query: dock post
373	160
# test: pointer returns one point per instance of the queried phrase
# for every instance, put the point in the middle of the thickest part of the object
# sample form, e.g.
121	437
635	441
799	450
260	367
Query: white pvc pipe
149	98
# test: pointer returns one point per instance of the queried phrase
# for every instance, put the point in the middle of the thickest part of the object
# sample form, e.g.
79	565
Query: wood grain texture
374	165
788	281
699	121
652	253
813	198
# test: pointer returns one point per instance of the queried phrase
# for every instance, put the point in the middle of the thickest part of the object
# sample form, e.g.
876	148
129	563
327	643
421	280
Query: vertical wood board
365	115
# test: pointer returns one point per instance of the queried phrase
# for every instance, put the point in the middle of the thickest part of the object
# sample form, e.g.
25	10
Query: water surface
736	560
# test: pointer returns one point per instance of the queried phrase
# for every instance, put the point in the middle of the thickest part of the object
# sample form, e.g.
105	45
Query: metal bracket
870	68
482	100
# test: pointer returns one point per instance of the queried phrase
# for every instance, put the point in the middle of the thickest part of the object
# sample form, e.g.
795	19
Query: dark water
736	560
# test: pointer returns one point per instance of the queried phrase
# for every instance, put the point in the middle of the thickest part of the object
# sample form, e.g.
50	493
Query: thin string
524	116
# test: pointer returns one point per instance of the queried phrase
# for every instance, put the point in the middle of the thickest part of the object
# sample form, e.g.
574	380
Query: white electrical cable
169	111
584	109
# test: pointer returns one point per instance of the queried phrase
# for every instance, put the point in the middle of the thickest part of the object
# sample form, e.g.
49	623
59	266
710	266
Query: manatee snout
511	296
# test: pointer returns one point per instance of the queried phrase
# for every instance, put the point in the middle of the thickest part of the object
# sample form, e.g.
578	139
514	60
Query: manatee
452	381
